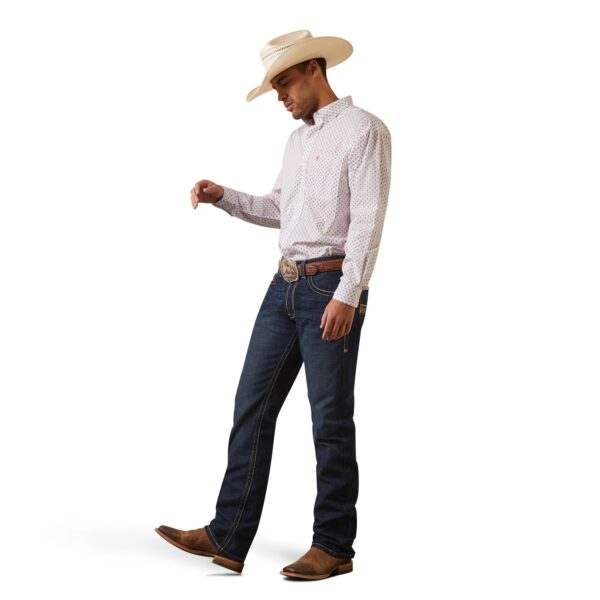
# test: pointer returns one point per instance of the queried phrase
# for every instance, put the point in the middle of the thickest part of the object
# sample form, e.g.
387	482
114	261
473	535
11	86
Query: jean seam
254	454
210	534
287	295
293	315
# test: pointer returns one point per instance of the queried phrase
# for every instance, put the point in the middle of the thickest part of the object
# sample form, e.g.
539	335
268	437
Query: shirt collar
330	111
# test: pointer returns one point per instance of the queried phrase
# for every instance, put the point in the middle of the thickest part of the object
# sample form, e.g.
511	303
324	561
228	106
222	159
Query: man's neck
327	99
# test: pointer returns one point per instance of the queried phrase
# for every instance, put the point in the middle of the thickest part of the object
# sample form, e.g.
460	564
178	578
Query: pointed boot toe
169	532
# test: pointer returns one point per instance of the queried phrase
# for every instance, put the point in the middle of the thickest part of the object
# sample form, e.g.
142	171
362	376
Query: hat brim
334	49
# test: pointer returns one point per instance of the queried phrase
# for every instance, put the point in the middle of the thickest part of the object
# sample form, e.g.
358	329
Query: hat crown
274	48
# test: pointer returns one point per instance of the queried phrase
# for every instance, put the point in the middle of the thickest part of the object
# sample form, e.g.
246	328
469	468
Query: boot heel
228	563
345	568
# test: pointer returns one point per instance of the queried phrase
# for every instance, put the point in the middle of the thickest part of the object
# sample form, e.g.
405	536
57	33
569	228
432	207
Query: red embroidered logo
317	157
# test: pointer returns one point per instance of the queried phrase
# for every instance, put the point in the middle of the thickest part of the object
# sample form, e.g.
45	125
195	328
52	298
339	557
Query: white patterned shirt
331	194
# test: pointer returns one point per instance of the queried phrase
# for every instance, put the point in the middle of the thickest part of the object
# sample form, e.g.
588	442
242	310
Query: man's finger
198	187
333	330
336	333
326	327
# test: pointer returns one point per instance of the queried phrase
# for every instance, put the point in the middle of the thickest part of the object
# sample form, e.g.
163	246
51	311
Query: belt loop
301	268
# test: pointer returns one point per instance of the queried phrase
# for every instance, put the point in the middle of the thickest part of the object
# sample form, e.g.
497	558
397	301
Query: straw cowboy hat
289	49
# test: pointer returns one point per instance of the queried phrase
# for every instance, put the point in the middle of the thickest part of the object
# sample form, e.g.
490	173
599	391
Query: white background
126	315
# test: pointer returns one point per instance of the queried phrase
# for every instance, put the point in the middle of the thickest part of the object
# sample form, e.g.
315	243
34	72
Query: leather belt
292	270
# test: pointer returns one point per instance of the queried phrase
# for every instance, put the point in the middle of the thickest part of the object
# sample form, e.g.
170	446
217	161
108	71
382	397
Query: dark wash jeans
287	334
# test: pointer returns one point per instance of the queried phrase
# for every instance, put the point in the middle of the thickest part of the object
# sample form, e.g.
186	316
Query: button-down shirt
330	195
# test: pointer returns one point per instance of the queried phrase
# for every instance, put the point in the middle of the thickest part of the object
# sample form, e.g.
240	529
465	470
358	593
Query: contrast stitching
293	315
254	452
225	554
314	288
287	294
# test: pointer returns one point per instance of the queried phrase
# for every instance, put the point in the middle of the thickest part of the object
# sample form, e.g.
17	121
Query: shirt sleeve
260	210
369	178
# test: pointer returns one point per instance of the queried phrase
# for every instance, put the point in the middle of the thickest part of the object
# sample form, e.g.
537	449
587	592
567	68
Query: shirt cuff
348	294
227	201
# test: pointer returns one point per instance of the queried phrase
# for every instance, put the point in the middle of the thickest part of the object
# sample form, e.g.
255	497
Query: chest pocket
325	190
324	175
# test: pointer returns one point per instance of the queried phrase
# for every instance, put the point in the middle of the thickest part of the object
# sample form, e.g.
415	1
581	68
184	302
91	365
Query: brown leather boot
197	541
317	564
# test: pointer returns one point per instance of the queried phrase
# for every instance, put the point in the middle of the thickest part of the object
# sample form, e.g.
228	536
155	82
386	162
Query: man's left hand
337	320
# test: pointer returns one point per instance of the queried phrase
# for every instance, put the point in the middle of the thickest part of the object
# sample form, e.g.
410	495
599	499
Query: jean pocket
324	283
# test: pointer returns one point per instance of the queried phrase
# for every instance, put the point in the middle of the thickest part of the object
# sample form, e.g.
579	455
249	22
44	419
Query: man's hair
321	62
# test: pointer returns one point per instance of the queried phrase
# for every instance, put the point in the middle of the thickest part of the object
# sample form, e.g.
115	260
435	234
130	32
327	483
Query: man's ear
314	66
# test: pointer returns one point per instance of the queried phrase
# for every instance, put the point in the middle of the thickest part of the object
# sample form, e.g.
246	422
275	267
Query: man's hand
206	191
337	320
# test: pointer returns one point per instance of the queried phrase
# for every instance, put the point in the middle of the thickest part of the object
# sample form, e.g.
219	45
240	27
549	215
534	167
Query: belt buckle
288	269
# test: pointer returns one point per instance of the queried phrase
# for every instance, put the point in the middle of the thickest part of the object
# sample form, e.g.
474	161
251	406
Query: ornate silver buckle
288	269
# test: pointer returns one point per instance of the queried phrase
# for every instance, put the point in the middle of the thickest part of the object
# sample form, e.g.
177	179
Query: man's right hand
206	191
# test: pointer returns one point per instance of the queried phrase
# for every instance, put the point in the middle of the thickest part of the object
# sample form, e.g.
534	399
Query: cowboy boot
197	541
317	564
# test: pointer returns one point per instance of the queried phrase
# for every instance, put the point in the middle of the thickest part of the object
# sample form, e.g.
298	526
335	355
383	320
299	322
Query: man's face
296	91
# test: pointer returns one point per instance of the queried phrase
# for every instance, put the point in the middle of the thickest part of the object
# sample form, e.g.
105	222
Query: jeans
285	335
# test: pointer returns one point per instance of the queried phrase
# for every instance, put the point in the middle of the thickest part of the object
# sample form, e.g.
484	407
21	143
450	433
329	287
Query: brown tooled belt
292	270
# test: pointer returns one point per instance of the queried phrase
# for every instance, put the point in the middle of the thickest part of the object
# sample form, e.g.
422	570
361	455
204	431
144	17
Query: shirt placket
309	143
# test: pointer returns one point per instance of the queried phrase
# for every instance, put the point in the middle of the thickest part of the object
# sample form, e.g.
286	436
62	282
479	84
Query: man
329	201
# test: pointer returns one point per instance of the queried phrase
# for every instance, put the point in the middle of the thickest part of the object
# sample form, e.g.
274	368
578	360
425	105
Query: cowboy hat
289	49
